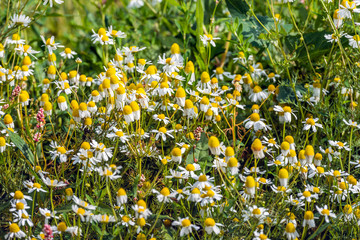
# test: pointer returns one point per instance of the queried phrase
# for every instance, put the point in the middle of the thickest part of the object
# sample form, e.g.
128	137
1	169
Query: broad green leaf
96	228
20	143
319	231
237	8
105	208
317	45
286	94
64	209
199	18
201	152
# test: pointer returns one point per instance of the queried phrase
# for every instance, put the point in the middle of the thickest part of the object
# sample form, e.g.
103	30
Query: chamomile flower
190	169
34	187
47	214
115	33
258	149
307	195
19	208
126	220
351	123
3	144
311	123
68	53
164	195
203	181
211	226
250	186
270	142
339	145
14	232
102	36
101	151
272	76
176	175
284	113
109	172
326	213
81	212
54	183
19	20
220	74
18	196
170	64
257	94
186	226
255	122
354	41
161	118
121	197
346	8
59	151
333	37
233	166
118	134
256	212
309	219
50	43
135	4
298	203
163	134
176	155
15	39
290	231
207	39
141	210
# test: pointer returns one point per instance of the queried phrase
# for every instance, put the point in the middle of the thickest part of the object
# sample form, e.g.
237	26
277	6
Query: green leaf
105	208
96	228
315	41
254	32
90	199
64	209
319	230
237	8
201	152
209	7
20	143
199	19
286	94
199	14
24	148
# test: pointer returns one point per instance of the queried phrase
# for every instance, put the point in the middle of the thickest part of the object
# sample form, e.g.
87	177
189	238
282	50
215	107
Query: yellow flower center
209	222
67	50
14	228
165	192
255	117
81	211
310	121
18	195
185	223
306	194
61	227
202	178
290	228
61	150
19	206
325	212
162	130
256	211
257	89
309	215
